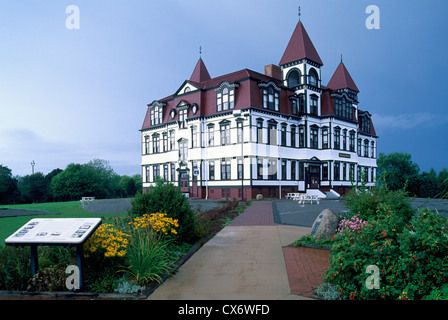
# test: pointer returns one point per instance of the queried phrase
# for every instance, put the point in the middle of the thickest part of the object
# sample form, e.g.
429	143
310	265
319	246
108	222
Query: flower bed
395	253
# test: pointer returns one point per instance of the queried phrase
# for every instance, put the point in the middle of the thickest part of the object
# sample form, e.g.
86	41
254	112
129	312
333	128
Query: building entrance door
314	177
184	182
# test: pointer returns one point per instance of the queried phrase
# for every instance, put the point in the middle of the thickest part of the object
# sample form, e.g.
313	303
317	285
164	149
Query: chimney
273	71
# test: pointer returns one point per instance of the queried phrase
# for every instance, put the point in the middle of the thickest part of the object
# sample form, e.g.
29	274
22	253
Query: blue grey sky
75	95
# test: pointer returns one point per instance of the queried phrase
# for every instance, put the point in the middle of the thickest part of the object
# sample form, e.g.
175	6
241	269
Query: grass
70	209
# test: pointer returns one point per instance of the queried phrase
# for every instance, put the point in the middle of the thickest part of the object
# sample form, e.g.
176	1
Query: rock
325	225
259	197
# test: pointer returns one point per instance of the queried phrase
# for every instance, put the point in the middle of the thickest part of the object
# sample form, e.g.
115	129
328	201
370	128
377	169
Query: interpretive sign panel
57	231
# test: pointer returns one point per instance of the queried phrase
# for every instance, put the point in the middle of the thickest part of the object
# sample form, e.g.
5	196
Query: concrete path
245	261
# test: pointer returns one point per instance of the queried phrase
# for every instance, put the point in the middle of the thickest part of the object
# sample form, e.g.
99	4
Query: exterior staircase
323	194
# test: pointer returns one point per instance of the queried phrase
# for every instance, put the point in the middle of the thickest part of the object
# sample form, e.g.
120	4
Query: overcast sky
75	95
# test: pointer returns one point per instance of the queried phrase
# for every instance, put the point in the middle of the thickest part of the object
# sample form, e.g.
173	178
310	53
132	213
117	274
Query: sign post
71	232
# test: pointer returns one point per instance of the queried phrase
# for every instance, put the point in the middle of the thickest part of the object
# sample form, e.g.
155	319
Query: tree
74	182
398	171
106	180
34	188
9	192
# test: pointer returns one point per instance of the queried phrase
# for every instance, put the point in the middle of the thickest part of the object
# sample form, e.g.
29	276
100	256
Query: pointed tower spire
300	46
342	79
200	72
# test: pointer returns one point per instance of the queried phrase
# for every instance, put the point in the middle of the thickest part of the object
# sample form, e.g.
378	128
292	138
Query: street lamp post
32	179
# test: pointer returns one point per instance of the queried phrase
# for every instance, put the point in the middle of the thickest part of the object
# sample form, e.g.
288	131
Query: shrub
165	197
410	256
14	268
366	202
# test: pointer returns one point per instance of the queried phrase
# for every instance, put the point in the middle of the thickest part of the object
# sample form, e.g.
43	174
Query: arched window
313	78
293	78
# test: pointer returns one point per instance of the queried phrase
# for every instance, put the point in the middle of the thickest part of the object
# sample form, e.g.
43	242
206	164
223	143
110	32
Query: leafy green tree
398	171
9	192
73	183
34	188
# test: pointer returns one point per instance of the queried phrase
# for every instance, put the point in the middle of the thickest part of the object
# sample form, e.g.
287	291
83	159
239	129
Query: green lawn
71	209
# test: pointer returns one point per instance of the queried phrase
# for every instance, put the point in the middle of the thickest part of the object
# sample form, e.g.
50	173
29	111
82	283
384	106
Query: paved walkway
247	260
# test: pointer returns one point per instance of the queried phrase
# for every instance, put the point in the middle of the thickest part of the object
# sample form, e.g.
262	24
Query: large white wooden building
274	133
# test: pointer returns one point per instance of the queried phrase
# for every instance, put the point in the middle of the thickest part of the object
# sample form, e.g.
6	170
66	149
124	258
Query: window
259	131
272	133
226	193
366	148
183	113
225	169
155	143
351	172
313	105
365	123
271	98
344	171
272	169
172	139
293	170
325	171
293	136
302	137
225	133
302	108
165	142
325	138
156	115
183	150
283	135
337	171
344	139
283	169
147	145
240	169
211	135
148	173
372	149
260	169
337	138
165	172
314	143
359	147
156	171
352	141
293	78
173	172
239	126
313	78
194	137
301	171
343	108
225	99
294	106
211	170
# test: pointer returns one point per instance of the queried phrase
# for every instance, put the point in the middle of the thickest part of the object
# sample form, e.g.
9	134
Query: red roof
200	72
300	46
341	79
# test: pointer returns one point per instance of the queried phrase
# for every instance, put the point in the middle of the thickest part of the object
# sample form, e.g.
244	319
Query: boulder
325	225
259	197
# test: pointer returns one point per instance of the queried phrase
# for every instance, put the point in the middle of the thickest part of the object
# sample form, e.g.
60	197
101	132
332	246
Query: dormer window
365	123
225	96
271	96
156	114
